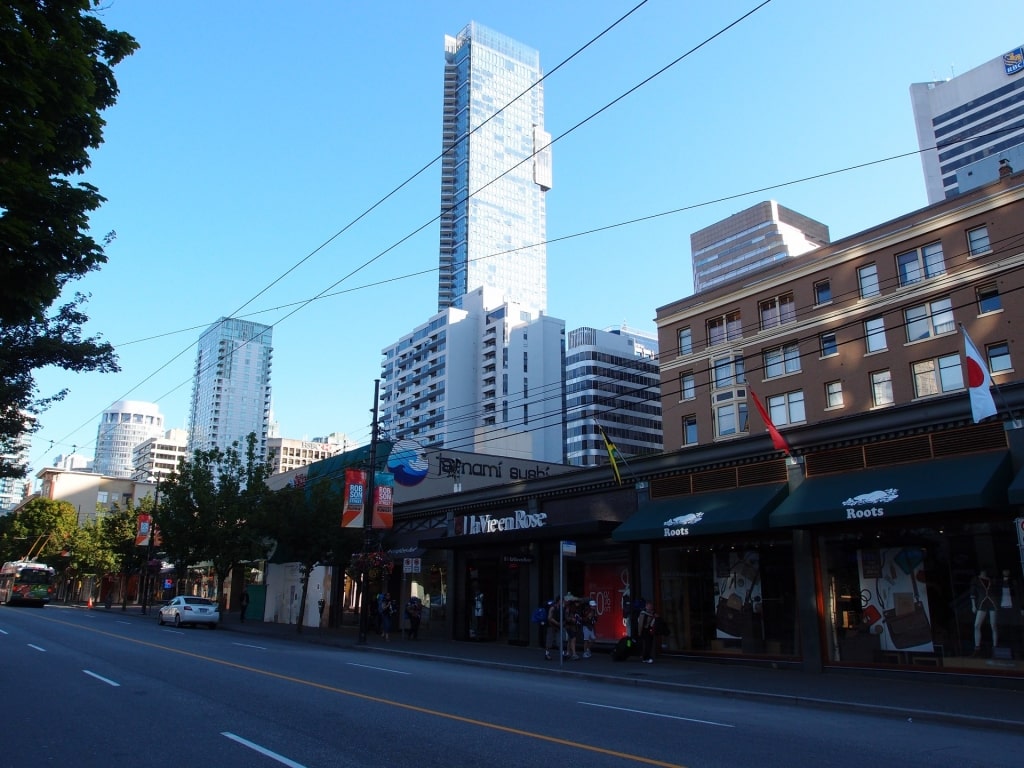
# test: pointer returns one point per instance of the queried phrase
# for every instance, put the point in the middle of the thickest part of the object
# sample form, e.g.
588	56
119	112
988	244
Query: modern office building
123	426
752	239
487	377
495	169
612	384
964	122
231	386
156	458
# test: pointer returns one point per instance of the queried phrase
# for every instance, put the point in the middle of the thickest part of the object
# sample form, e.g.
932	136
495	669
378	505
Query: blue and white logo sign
1013	62
408	462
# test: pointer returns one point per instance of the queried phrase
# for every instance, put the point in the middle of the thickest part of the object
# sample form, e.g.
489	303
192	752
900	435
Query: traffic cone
89	604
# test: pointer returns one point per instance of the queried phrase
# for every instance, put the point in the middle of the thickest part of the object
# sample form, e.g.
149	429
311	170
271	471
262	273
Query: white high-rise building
485	378
751	240
495	171
123	426
967	124
157	457
613	383
231	386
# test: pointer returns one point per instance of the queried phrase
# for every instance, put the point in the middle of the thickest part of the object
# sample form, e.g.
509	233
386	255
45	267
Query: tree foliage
56	77
42	528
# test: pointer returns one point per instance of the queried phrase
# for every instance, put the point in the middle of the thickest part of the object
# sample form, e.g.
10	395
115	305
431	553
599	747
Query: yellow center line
377	699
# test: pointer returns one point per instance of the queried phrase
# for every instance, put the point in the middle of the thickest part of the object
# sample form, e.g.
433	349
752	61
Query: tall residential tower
495	170
231	387
123	426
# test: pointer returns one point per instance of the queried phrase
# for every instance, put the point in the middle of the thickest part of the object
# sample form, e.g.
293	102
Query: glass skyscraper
495	170
231	387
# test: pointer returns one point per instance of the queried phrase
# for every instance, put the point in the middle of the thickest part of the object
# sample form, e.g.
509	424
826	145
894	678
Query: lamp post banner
143	530
383	500
355	494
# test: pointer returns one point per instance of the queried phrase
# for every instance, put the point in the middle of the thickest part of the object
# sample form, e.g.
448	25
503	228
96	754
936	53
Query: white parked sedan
185	609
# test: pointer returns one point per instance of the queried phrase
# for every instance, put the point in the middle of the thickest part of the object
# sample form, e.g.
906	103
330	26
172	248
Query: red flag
979	382
778	441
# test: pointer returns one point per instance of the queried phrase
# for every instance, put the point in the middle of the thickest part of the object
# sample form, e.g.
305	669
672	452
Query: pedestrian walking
387	612
243	605
414	612
553	634
589	623
646	628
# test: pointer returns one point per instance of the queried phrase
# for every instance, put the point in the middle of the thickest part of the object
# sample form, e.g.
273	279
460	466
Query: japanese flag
979	382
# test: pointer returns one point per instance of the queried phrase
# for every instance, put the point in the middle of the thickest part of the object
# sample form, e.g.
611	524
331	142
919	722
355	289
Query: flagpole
613	454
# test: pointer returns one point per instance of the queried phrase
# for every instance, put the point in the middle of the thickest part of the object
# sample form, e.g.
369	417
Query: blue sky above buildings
247	136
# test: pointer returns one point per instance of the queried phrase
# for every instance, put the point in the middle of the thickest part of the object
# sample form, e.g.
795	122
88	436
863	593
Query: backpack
540	616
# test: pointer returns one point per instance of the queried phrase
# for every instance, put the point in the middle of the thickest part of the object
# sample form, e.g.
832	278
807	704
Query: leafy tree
42	528
305	523
56	77
206	507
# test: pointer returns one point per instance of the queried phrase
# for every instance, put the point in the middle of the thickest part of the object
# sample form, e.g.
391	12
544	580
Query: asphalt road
94	689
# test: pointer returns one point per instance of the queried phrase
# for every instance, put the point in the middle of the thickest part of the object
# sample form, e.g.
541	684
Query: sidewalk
911	696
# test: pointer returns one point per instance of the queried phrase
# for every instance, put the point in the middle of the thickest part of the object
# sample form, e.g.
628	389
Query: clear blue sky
248	134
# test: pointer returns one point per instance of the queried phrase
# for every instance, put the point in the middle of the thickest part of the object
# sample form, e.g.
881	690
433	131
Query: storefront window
729	598
947	596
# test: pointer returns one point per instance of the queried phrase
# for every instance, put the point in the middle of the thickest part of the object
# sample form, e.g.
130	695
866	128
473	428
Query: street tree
40	529
206	507
56	77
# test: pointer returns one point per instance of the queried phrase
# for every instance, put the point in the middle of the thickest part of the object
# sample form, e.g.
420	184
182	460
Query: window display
729	598
924	596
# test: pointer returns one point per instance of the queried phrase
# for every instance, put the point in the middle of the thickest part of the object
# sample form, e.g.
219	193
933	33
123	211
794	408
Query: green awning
940	485
737	510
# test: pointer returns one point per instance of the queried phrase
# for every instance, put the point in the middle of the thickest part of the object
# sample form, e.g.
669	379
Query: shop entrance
496	598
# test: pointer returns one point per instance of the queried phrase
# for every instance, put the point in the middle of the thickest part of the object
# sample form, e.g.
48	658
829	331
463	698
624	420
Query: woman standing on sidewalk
646	629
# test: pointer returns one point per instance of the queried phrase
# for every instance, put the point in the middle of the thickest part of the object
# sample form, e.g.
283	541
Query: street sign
411	564
569	548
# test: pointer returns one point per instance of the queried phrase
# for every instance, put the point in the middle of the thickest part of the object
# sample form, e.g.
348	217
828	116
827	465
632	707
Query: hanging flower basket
369	562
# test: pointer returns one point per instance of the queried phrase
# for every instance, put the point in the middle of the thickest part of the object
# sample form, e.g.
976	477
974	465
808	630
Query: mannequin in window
984	602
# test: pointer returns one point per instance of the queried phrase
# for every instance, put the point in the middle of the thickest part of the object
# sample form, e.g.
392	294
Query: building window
977	241
687	387
787	408
874	335
867	279
685	341
829	345
724	328
931	319
776	311
988	299
881	388
781	361
914	266
690	430
934	377
822	292
731	419
728	372
999	357
834	394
